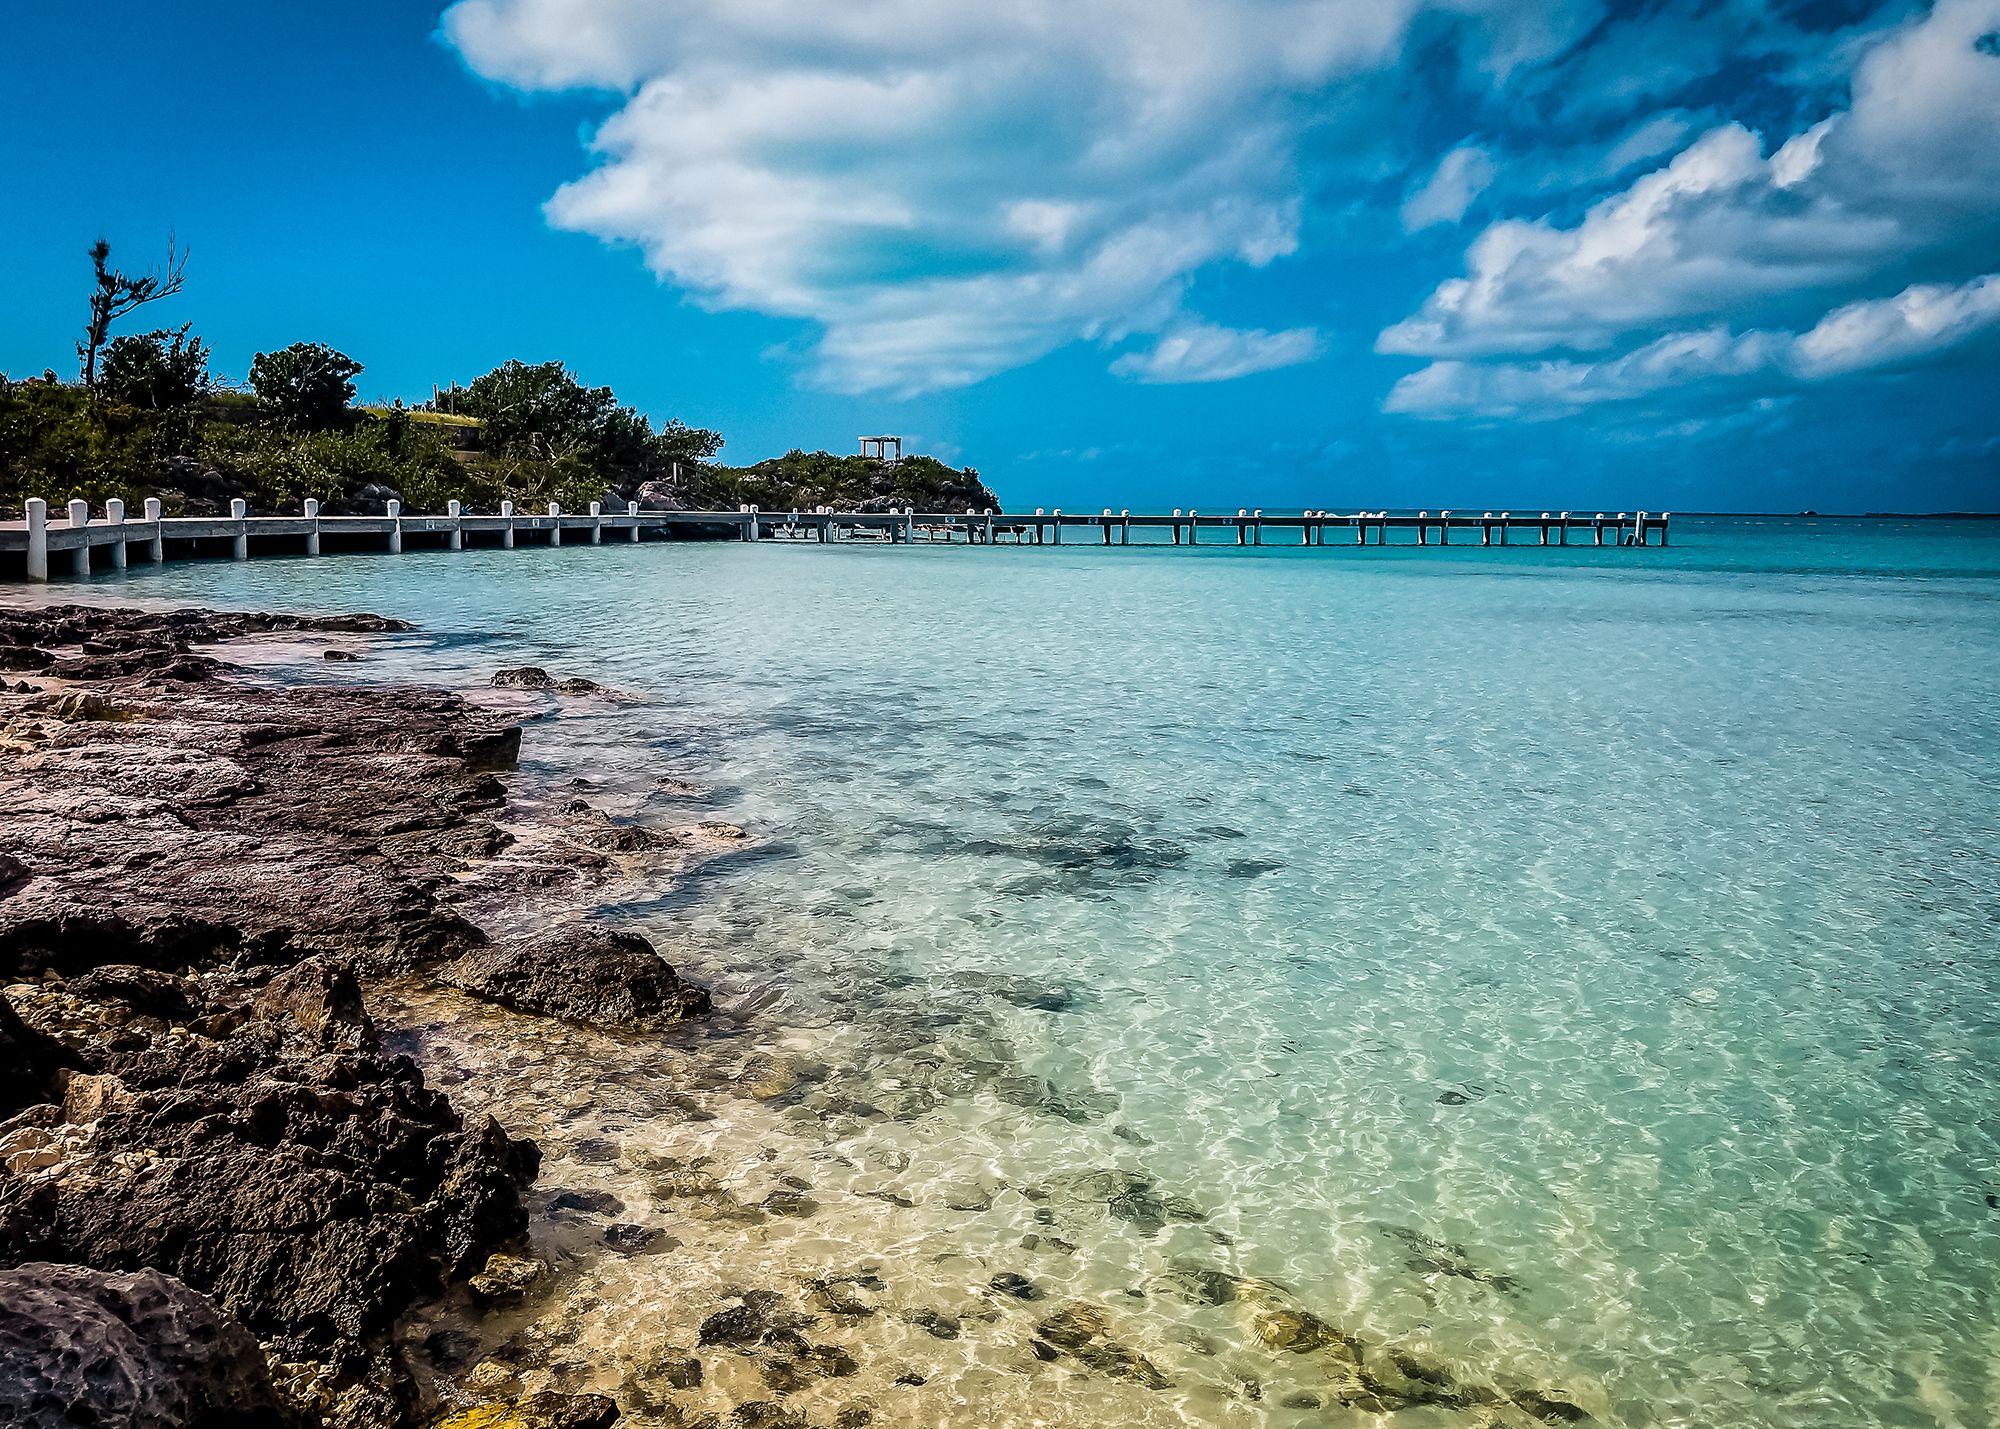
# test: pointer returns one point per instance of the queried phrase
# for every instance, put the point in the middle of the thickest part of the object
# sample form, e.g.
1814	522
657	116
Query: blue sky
1727	255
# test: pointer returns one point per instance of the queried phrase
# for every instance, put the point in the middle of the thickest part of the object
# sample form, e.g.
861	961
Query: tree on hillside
541	412
114	294
306	386
160	370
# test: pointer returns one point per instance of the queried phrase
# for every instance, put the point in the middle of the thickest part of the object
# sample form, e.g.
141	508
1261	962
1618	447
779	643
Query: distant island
145	417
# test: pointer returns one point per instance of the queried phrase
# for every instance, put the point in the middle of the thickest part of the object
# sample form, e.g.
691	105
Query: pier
43	546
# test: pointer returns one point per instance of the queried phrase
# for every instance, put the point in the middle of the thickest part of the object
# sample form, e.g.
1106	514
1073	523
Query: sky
1718	255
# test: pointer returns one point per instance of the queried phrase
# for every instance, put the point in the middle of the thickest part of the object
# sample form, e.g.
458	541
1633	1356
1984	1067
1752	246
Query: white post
239	512
456	511
1058	525
555	524
597	523
312	533
38	538
756	526
158	545
114	515
507	531
79	517
632	510
395	527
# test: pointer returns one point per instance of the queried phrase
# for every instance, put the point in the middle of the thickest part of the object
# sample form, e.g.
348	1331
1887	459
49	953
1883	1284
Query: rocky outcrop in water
586	972
195	876
140	1351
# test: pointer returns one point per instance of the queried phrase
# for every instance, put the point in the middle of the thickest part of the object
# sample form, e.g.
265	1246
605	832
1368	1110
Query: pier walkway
40	546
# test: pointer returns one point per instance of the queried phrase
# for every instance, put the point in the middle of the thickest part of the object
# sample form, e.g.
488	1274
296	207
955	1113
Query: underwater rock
1443	1257
934	1322
1078	1330
763	1414
1127	1196
1018	1287
680	1371
1547	1407
1298	1331
546	1410
584	972
339	656
629	1239
595	1203
507	1279
1199	1284
139	1351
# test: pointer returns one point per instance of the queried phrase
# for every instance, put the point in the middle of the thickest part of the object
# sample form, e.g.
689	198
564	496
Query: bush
157	370
306	386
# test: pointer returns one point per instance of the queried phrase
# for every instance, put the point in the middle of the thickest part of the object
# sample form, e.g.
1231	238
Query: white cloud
1460	177
1919	322
1903	183
1202	352
1922	322
948	188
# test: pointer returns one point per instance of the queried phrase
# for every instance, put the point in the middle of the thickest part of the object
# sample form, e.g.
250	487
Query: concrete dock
80	541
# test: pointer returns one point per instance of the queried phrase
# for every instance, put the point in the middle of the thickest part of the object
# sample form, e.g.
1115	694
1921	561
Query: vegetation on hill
147	418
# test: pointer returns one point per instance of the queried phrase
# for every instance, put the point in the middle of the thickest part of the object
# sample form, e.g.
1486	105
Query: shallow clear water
1578	966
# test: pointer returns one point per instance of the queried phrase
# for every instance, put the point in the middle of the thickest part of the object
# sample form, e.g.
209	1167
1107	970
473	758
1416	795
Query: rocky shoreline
218	1190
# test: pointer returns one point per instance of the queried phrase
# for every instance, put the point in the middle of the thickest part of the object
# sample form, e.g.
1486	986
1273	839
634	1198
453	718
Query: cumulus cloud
1904	182
1202	352
1921	322
949	188
1460	177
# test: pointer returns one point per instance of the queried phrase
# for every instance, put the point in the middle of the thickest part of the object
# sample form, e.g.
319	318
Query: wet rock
680	1371
629	1239
790	1203
143	1351
523	677
1080	1331
339	656
1299	1331
853	1416
595	1150
1548	1407
319	1003
1018	1287
933	1322
507	1279
1199	1285
546	1410
595	1203
1431	1255
1073	1326
764	1414
585	972
450	1350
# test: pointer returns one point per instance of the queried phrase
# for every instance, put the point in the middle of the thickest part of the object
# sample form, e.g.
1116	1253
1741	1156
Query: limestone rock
138	1351
585	972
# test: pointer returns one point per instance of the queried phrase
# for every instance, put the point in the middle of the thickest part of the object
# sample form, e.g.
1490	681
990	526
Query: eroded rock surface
197	876
585	972
140	1351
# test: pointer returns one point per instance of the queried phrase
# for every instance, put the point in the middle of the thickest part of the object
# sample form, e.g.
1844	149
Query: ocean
1570	976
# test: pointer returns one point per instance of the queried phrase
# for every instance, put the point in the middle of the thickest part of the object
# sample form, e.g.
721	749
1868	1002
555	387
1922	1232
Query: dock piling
79	516
455	512
395	512
312	532
114	515
597	523
507	531
239	543
156	546
37	511
632	510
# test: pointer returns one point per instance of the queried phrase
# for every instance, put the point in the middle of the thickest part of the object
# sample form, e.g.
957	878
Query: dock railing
75	544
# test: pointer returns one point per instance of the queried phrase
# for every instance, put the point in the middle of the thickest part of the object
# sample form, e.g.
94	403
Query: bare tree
114	294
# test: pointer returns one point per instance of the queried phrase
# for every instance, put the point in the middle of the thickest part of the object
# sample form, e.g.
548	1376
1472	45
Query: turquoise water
1579	965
